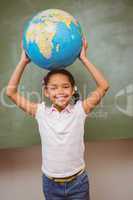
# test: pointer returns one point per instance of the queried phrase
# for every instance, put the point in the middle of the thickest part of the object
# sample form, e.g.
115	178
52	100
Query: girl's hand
24	58
84	48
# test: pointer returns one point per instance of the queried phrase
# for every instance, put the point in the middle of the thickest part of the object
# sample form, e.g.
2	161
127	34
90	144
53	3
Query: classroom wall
110	166
108	26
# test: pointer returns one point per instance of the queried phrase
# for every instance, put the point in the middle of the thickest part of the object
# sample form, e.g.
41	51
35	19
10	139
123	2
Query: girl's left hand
84	48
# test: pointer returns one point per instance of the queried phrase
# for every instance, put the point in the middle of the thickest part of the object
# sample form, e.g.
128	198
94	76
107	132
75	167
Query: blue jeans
77	189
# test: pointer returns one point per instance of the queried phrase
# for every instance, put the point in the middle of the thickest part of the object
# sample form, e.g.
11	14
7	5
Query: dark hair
66	73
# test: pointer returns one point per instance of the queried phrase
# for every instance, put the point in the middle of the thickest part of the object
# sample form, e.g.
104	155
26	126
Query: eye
52	87
67	86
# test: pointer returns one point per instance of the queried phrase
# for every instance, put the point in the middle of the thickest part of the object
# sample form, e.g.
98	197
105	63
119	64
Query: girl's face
59	90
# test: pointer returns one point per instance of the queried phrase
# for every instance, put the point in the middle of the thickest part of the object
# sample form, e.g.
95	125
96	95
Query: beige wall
110	164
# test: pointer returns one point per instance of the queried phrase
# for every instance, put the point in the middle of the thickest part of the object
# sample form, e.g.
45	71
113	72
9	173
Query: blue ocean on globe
52	39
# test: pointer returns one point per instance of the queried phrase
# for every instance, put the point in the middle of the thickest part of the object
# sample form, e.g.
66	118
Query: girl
61	128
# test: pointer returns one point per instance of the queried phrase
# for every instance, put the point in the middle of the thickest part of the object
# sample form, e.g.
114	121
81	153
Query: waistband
68	178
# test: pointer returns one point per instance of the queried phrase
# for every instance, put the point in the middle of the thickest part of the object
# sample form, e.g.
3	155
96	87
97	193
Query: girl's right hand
24	58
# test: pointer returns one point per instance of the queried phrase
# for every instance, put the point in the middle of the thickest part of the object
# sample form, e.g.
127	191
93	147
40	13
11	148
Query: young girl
61	128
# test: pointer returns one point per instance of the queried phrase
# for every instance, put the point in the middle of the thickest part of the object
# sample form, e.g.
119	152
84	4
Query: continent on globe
52	39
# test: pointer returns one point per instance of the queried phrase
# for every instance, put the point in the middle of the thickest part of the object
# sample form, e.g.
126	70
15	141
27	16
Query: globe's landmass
52	39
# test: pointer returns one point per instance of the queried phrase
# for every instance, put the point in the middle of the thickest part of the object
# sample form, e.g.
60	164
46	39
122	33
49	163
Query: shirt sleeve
81	109
40	110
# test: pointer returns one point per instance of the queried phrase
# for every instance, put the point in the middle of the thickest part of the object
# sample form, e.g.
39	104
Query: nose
60	90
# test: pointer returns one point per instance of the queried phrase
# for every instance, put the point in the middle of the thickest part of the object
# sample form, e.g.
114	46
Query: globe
52	39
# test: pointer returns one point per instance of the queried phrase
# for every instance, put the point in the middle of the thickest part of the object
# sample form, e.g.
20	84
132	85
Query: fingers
85	43
27	56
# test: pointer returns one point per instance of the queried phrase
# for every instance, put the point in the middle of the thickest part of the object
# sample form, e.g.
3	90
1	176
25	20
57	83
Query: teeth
60	97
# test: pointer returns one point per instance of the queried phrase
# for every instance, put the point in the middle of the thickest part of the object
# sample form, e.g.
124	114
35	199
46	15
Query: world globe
52	39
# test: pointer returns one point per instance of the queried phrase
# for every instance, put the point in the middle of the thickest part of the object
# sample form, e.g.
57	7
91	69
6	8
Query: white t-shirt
62	139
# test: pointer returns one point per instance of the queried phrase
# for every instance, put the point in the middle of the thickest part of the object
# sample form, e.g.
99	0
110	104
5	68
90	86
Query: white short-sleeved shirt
61	138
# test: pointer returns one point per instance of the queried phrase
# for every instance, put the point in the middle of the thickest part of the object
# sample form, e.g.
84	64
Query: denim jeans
77	189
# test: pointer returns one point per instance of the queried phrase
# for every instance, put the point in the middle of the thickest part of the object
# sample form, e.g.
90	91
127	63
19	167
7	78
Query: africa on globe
52	39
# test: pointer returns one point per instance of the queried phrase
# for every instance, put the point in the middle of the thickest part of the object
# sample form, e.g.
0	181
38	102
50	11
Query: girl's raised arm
102	85
12	87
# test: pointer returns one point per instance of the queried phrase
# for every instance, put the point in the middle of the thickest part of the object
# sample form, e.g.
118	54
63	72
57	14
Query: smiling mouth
61	97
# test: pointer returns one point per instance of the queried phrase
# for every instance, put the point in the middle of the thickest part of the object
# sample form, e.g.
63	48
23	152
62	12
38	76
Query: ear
46	93
73	92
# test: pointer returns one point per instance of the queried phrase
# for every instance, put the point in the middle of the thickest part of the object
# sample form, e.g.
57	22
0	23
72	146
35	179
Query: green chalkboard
108	26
